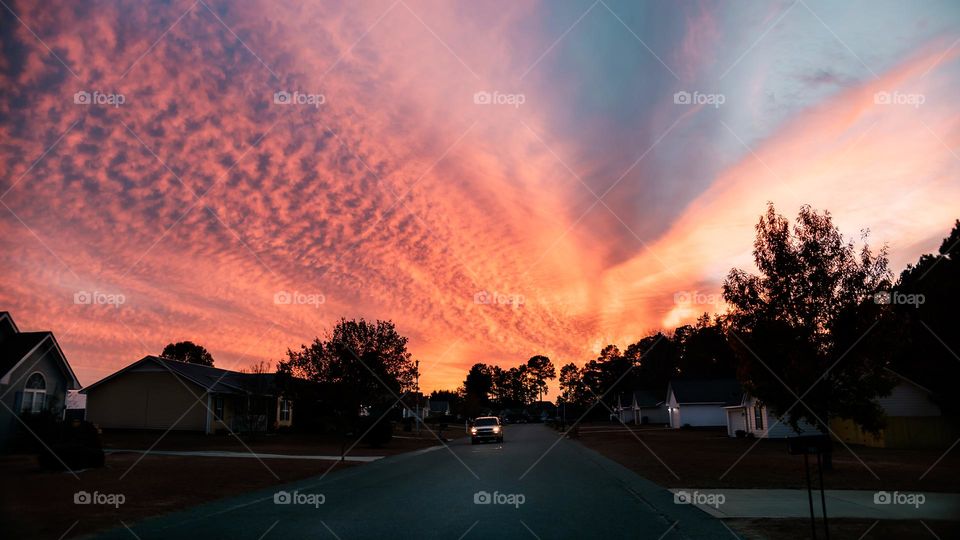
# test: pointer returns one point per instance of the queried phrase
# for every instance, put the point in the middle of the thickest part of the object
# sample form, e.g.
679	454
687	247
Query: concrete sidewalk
251	455
793	503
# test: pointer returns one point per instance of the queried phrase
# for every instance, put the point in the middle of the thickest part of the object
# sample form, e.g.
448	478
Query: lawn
843	529
712	459
40	504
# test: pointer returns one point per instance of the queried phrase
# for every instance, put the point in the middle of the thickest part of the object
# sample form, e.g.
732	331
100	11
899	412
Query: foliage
929	356
808	322
188	351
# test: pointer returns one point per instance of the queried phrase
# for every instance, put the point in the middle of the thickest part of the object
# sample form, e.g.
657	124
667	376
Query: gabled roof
726	391
438	405
15	348
211	379
646	398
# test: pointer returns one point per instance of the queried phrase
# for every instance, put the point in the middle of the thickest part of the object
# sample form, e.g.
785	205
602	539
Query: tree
479	383
703	351
367	363
808	321
188	351
571	385
925	300
540	369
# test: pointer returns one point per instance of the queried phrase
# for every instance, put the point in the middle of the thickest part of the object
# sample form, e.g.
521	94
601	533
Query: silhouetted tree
809	322
541	369
926	300
367	363
188	351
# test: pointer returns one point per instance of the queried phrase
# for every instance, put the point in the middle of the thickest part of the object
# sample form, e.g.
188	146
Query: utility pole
417	394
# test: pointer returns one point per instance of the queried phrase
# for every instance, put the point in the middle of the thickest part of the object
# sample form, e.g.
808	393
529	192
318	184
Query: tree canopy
807	326
188	351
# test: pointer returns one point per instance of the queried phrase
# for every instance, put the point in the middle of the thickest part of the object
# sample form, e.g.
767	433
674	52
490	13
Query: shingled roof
725	391
211	379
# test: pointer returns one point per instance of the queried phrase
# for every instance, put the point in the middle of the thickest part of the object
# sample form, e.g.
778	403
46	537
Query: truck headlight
496	429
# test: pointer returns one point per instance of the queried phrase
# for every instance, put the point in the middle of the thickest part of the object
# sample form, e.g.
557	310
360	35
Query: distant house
436	407
34	375
647	408
701	402
542	410
913	420
752	417
160	393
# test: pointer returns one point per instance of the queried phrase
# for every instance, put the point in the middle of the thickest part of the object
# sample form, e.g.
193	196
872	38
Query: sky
500	179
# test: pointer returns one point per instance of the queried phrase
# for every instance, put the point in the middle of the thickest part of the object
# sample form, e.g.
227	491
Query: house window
34	394
284	410
758	416
218	407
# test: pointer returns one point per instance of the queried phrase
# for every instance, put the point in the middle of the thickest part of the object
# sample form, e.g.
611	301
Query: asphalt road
534	485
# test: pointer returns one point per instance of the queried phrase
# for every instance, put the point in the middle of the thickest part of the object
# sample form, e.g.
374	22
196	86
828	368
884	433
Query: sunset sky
532	150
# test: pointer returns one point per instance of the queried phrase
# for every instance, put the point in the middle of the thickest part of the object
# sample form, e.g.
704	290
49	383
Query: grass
35	503
711	459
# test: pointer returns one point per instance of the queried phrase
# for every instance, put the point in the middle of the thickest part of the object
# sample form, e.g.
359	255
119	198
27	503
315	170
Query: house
751	417
34	376
437	407
161	393
701	402
648	408
913	420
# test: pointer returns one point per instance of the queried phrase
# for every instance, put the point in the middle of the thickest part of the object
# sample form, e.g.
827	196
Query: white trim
72	384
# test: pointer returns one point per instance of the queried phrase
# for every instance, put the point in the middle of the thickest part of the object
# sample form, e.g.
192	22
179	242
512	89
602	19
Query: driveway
535	485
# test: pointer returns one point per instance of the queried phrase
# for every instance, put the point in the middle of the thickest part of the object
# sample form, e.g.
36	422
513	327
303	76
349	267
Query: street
535	485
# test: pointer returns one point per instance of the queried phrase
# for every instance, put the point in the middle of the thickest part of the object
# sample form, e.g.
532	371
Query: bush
377	434
75	445
740	433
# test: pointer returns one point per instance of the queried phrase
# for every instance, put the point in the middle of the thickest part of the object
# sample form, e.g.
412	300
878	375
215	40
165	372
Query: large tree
808	322
541	369
188	351
926	299
367	362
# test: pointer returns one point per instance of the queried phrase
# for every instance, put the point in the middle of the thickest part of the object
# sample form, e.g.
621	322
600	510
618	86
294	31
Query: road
535	485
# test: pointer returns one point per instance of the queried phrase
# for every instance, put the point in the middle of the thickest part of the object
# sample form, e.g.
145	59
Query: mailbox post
816	445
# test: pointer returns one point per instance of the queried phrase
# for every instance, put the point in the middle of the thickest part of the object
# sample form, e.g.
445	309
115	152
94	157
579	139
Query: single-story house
913	420
437	407
160	393
752	417
701	402
640	407
34	376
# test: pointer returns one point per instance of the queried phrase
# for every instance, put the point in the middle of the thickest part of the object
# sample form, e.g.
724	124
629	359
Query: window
758	416
218	407
34	394
284	410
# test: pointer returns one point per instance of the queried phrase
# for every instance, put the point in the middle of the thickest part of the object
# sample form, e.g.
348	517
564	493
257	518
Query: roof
211	379
439	405
646	398
15	348
726	391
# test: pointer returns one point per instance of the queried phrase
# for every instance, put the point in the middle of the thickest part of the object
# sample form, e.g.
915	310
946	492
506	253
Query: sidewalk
253	455
793	503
